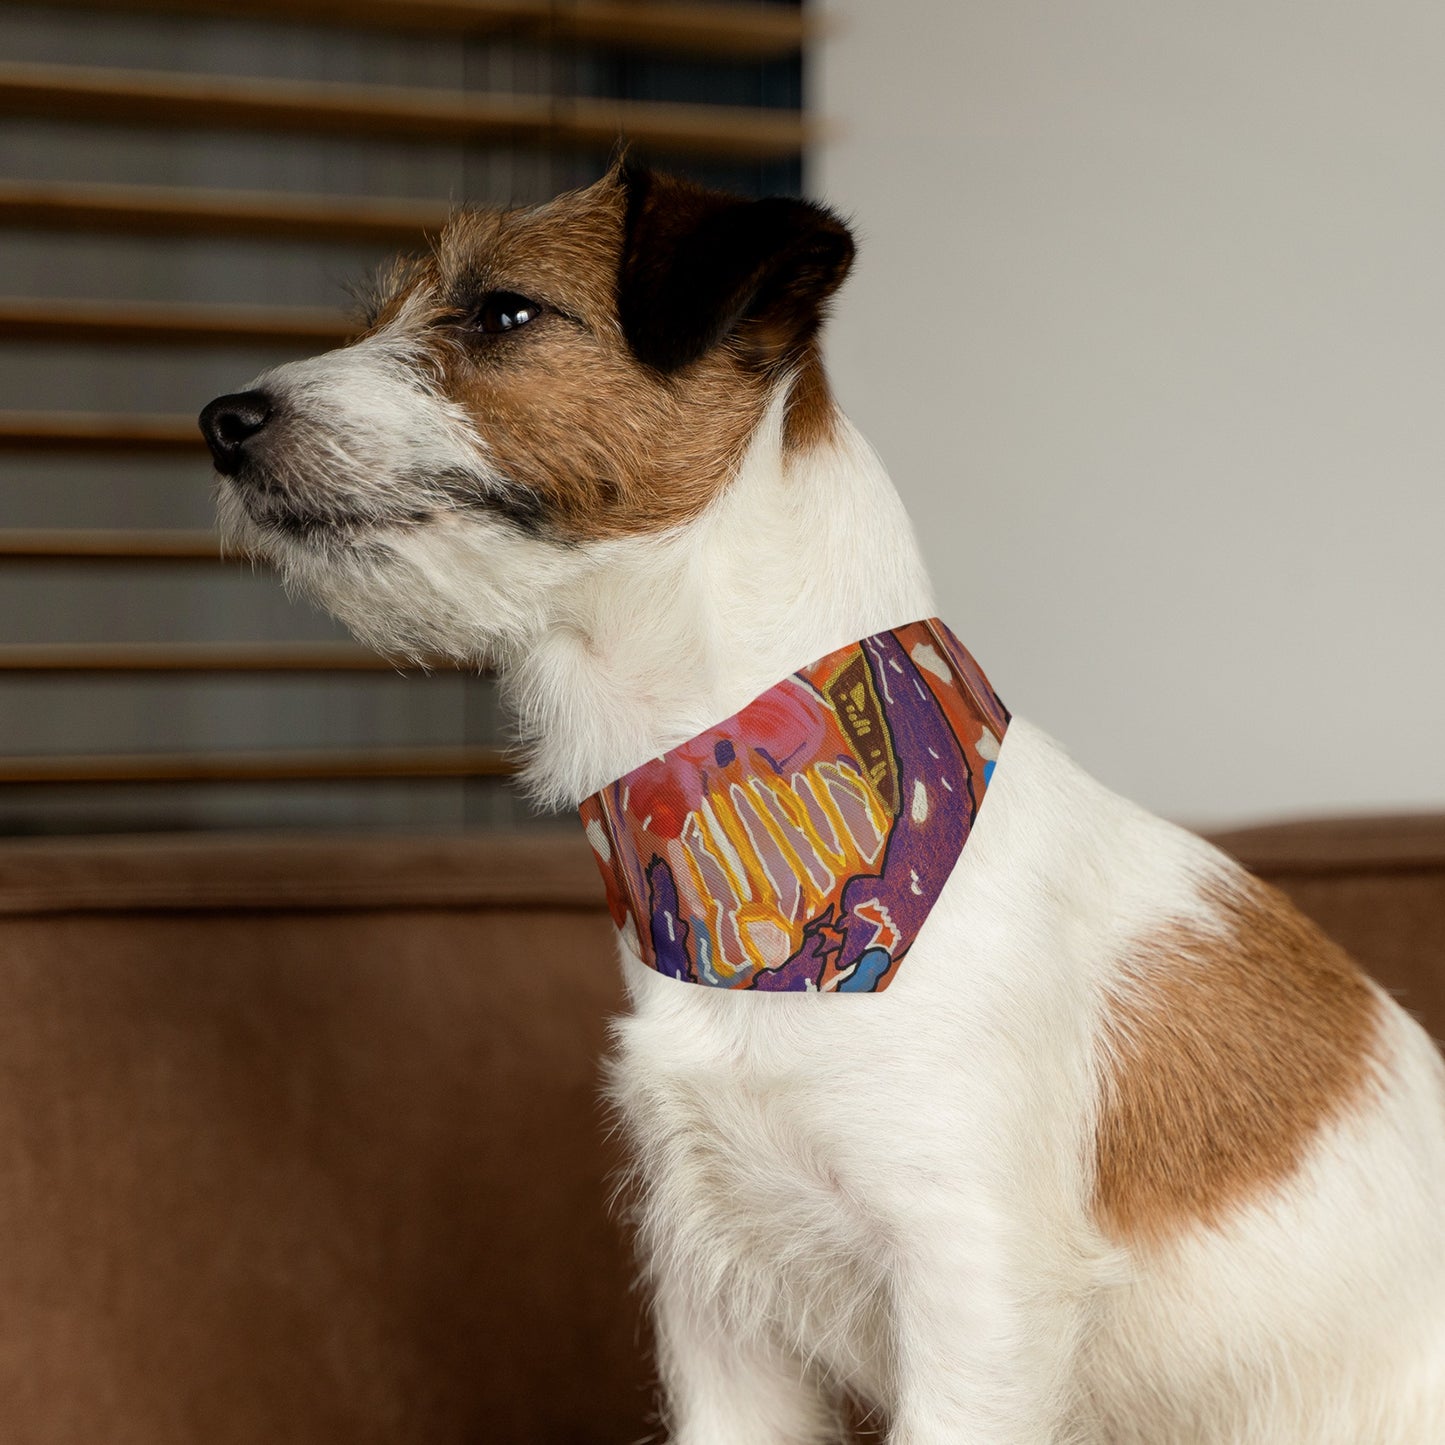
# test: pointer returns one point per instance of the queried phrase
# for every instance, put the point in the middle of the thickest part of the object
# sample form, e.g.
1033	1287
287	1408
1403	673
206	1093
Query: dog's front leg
983	1353
724	1386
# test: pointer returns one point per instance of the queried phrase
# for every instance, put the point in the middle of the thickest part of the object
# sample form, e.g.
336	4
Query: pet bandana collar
799	845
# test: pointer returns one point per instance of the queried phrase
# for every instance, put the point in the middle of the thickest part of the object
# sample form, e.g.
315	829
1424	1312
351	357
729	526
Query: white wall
1149	324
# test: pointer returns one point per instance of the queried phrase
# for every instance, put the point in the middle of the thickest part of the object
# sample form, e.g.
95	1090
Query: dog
1126	1152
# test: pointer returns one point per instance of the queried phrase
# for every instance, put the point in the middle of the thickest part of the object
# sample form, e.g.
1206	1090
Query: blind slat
169	323
159	98
718	29
75	544
86	431
257	767
189	657
170	210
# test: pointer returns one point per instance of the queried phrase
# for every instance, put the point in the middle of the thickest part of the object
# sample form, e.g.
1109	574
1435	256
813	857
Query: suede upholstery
300	1139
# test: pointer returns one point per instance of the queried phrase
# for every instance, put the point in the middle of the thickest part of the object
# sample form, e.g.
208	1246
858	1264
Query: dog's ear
699	266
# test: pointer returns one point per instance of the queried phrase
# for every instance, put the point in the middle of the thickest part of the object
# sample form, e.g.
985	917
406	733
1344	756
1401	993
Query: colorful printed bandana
799	845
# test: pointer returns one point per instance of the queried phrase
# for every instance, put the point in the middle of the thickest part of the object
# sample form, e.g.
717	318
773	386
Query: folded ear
699	266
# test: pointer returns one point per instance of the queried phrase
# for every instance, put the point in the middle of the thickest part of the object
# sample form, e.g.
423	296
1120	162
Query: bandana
799	845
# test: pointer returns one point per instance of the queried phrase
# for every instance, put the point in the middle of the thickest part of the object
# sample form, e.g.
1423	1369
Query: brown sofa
300	1141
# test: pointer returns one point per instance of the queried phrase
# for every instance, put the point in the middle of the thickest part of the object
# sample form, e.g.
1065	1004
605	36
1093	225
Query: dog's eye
504	311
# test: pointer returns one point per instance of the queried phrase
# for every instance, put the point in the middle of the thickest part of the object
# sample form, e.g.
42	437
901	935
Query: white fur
890	1194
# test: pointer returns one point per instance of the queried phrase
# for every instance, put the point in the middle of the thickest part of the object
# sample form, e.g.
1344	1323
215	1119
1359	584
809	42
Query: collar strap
799	845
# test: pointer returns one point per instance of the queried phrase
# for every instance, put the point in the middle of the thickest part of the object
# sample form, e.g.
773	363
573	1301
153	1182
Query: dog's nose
229	422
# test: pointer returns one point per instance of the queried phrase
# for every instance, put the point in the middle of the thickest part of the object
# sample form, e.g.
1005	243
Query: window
188	187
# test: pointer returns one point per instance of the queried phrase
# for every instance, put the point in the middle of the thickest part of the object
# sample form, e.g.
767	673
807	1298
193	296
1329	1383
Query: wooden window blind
186	186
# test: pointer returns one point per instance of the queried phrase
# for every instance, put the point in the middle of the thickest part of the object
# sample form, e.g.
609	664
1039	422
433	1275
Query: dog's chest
751	1180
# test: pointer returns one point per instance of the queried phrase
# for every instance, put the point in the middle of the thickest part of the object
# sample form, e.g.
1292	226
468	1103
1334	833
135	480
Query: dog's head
546	383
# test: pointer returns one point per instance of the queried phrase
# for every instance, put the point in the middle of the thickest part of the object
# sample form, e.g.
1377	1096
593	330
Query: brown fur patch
1226	1054
605	445
812	415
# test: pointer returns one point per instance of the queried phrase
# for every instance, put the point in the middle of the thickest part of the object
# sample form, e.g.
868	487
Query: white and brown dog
1128	1153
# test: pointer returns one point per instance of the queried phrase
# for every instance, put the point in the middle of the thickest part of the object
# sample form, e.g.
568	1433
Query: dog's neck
659	638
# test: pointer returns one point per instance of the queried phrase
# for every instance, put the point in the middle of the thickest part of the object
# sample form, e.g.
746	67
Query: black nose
229	422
